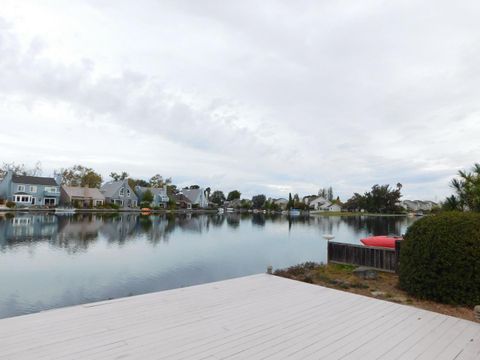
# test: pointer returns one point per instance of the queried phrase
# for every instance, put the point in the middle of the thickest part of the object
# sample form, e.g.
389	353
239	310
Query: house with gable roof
28	191
119	193
197	197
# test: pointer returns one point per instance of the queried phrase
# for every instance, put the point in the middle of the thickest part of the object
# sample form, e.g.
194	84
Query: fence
385	259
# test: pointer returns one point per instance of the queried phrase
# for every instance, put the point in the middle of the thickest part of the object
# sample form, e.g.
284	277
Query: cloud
264	97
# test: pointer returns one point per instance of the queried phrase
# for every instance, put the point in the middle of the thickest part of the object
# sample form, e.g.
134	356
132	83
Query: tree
322	193
20	169
207	192
380	199
157	181
258	201
451	203
79	175
147	196
467	188
233	195
290	203
218	197
138	182
117	177
330	194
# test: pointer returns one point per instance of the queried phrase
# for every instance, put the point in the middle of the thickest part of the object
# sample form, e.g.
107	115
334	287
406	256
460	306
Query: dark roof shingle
34	180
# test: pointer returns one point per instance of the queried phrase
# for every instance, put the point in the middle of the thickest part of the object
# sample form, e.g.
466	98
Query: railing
385	259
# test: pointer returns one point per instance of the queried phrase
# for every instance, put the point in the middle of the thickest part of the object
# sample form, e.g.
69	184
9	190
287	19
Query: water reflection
49	261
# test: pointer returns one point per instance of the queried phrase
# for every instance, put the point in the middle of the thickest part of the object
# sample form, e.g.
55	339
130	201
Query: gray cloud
261	96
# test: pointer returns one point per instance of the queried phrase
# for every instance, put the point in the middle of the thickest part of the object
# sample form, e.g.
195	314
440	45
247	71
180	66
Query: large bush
440	258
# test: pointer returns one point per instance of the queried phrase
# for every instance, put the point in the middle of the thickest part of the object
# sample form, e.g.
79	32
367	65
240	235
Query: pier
254	317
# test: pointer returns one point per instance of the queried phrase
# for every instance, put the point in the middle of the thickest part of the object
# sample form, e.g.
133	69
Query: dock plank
255	317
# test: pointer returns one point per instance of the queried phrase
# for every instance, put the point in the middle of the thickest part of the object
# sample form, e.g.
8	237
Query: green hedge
440	258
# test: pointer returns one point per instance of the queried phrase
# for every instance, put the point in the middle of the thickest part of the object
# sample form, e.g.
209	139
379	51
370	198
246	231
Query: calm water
49	261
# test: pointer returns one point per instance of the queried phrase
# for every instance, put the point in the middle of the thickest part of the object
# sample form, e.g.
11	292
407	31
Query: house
28	191
418	205
281	202
197	197
119	193
160	197
181	201
83	197
319	203
334	207
306	199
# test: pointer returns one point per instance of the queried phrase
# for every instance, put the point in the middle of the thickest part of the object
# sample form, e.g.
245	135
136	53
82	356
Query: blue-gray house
28	191
160	197
119	193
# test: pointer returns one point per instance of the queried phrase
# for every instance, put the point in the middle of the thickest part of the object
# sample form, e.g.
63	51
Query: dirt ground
341	277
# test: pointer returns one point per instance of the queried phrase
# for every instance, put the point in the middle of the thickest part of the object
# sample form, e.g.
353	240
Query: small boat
294	212
64	210
221	210
381	241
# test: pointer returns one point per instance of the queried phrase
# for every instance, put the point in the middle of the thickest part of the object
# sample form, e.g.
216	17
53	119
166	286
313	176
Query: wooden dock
254	317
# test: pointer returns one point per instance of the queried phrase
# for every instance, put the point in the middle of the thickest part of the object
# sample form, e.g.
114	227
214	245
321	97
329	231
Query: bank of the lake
384	287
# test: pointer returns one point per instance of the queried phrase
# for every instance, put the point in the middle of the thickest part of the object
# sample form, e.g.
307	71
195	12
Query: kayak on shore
381	241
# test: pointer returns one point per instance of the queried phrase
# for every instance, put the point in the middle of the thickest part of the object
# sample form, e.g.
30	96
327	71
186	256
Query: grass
385	287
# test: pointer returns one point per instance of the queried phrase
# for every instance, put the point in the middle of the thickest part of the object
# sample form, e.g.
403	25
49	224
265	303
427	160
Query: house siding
37	193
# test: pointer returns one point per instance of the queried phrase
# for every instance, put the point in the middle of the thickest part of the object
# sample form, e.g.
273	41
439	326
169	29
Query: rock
378	293
366	273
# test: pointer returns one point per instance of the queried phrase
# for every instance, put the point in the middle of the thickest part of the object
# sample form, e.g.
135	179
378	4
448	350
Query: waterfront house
197	197
119	193
281	202
28	191
160	197
418	205
181	201
319	203
82	197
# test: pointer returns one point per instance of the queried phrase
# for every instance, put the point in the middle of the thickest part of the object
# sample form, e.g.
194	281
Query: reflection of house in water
192	223
27	227
119	228
77	232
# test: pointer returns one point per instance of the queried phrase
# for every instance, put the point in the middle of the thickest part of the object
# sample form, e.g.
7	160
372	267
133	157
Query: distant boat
294	212
230	210
64	210
221	210
381	241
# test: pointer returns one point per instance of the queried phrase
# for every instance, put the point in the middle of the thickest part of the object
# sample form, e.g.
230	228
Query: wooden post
398	245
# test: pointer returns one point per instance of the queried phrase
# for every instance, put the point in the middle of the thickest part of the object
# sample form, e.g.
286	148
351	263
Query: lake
49	261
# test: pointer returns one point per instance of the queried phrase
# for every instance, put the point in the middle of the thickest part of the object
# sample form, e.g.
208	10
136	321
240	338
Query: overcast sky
263	96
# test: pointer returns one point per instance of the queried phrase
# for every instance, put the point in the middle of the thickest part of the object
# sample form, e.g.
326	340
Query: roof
193	194
181	198
153	190
83	192
108	189
34	180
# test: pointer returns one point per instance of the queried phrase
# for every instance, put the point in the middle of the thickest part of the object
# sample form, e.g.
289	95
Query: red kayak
381	241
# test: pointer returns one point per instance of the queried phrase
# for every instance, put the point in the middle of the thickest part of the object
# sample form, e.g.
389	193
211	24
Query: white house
319	203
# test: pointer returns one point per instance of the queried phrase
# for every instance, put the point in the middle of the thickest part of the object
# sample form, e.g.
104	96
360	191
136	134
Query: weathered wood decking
255	317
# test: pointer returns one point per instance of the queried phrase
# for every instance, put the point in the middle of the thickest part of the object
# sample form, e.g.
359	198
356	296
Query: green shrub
440	258
10	204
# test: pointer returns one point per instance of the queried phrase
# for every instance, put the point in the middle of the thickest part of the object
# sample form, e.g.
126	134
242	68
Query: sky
265	97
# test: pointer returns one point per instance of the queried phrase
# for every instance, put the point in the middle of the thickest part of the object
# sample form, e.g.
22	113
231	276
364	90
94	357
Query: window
21	188
49	201
51	189
33	189
128	192
122	191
